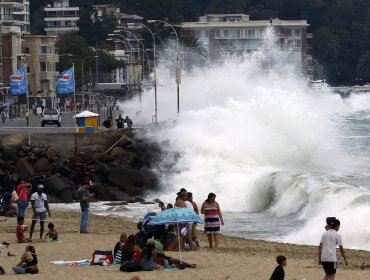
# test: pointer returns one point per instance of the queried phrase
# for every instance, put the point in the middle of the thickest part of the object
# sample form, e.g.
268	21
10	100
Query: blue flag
65	82
18	82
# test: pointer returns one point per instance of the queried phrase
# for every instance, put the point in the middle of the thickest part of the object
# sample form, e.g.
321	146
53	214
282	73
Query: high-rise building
61	18
218	35
14	22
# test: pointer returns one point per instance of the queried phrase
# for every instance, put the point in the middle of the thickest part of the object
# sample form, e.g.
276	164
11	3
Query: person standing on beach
196	210
279	273
327	250
85	197
212	219
40	205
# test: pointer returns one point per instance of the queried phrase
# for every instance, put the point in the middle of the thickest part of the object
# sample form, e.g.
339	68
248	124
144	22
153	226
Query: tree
325	45
363	66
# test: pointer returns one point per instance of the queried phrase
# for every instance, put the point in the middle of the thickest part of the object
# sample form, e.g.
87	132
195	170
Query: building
14	22
218	35
41	59
61	18
129	50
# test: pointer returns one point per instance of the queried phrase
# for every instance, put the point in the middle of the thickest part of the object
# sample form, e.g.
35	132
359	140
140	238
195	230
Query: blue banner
65	82
18	82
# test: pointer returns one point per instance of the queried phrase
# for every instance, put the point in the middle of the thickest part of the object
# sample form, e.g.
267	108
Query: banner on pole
18	82
65	82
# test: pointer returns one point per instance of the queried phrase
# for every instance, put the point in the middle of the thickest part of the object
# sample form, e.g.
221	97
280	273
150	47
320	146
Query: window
218	33
43	66
294	32
43	49
226	33
238	34
250	33
295	43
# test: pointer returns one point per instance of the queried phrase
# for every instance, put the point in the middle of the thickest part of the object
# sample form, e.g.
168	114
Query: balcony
47	75
10	18
12	3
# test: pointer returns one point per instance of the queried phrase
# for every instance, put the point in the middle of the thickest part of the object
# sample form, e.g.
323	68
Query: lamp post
132	56
178	69
154	69
83	78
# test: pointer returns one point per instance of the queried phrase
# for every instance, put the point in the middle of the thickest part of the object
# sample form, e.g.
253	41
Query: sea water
280	155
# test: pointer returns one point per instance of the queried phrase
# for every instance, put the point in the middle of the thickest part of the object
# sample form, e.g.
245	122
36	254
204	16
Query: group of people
123	122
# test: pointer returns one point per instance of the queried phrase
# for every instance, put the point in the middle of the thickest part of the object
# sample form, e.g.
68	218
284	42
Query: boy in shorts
327	250
39	202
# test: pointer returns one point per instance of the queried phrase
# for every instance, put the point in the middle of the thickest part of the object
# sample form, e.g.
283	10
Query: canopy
86	114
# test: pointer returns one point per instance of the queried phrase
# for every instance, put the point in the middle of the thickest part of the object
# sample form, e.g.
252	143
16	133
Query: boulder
50	154
9	153
88	151
124	177
102	169
67	196
118	195
122	155
101	157
41	165
24	169
63	169
149	178
131	190
55	185
15	141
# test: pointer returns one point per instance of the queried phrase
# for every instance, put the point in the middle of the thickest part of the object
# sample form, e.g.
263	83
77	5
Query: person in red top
20	229
23	200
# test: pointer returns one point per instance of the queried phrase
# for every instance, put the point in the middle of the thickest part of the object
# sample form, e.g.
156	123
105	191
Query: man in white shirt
39	202
327	250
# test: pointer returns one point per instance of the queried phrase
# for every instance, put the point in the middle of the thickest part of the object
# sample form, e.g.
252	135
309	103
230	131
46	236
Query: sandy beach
236	258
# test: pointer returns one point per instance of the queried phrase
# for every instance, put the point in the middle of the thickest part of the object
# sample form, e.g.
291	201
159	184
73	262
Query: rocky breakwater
122	174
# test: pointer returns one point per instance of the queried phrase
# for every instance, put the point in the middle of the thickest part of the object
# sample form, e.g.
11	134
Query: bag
131	266
15	196
99	256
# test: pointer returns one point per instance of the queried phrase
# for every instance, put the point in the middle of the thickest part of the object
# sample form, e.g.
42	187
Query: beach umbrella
176	216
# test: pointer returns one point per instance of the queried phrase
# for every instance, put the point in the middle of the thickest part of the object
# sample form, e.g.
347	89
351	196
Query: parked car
51	116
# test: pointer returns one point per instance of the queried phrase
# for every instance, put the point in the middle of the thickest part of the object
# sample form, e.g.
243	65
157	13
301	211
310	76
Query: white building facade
61	18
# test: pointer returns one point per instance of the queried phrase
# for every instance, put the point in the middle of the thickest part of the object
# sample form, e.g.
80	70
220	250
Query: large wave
255	133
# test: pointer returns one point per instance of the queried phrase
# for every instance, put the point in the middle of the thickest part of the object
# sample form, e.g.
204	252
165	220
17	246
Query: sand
237	258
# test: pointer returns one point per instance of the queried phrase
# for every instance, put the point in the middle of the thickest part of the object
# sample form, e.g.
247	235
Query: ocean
280	155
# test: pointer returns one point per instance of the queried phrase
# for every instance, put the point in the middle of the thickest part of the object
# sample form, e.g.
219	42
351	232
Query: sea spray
271	147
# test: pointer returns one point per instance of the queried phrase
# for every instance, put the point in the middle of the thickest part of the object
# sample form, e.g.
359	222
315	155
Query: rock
88	151
124	177
149	178
32	156
41	165
63	169
9	153
55	185
37	151
118	195
51	153
67	196
51	169
102	169
138	199
24	169
130	190
15	141
122	155
101	157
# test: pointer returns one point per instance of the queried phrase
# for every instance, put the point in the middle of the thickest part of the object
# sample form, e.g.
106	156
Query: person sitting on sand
52	233
140	236
21	228
170	239
28	263
130	251
279	273
149	256
117	252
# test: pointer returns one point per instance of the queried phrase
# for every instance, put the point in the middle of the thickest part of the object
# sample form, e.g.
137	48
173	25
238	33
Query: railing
11	17
12	1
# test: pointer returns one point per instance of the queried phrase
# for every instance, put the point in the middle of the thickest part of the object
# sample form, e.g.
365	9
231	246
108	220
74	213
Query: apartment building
218	35
41	59
61	18
14	22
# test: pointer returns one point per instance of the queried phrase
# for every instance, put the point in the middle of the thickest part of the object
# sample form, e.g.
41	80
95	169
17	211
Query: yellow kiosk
87	122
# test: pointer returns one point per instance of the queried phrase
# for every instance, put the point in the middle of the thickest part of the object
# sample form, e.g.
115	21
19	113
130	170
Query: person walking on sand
279	273
85	197
212	219
327	250
40	205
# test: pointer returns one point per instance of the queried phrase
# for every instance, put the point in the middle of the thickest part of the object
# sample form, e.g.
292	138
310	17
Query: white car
51	116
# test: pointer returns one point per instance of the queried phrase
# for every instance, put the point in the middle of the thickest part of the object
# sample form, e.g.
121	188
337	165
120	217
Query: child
52	233
21	228
279	273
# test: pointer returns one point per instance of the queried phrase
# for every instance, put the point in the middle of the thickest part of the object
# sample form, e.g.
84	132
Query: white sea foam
252	131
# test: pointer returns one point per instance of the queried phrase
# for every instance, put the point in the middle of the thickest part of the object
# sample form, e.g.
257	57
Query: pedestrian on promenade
28	117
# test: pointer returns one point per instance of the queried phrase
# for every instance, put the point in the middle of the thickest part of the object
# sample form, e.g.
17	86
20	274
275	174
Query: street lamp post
178	69
154	70
83	78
